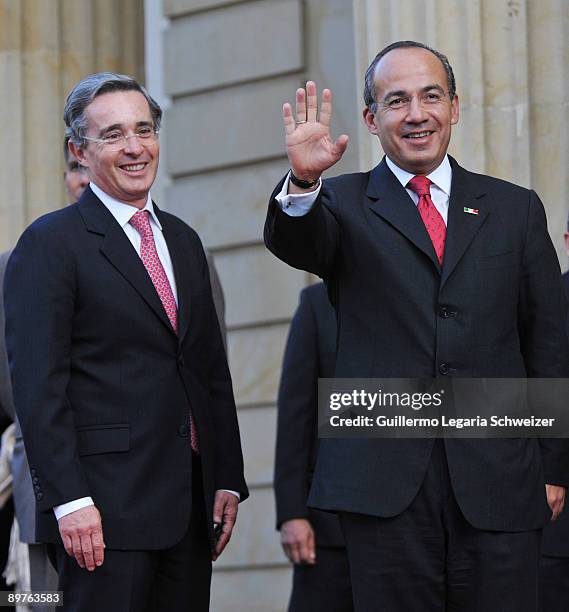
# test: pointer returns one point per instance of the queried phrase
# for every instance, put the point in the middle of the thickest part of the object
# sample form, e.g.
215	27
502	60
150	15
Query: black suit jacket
103	386
555	542
495	309
310	354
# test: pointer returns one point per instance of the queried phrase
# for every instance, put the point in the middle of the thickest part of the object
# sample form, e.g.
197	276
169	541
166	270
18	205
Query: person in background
75	176
312	540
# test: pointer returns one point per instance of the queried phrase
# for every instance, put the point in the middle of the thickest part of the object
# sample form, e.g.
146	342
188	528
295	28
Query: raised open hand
309	145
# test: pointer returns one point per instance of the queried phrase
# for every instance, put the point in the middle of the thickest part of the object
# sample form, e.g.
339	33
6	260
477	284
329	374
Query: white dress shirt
123	213
298	204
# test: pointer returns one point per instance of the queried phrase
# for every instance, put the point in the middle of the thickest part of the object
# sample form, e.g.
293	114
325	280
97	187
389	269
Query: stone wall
46	46
228	68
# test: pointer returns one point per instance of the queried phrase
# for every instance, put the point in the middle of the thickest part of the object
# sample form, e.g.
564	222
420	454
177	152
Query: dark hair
369	89
95	85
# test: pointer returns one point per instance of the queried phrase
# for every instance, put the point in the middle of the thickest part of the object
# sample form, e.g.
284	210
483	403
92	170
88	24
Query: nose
415	111
133	145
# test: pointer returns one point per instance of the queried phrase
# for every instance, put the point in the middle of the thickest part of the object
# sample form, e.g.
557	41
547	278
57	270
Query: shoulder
314	293
53	226
497	185
490	184
178	225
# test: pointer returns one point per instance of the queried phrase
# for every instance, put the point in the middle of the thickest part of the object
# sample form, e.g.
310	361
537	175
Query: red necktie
149	255
432	219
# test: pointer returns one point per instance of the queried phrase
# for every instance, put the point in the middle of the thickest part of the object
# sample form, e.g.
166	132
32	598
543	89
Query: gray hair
96	85
369	88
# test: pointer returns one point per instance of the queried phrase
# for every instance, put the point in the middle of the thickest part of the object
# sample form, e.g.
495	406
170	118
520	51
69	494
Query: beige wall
228	67
46	46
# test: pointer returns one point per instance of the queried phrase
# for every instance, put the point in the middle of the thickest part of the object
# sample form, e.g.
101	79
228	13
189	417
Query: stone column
46	46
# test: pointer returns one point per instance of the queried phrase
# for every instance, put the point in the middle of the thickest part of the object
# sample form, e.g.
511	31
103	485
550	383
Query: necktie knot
141	223
421	185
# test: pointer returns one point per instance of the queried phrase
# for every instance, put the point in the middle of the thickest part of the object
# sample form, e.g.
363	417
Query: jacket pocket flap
103	439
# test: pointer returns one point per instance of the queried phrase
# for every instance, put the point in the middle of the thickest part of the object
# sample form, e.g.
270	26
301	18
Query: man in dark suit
42	576
554	562
434	272
119	374
311	539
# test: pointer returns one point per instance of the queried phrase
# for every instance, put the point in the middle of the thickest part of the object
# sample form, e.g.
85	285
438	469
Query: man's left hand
555	499
224	513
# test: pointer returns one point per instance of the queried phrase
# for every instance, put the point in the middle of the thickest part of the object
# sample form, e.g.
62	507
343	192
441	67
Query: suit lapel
117	248
183	264
462	226
391	202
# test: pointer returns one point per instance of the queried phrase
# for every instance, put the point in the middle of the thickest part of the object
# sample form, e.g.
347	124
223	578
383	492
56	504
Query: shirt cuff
232	493
296	204
72	506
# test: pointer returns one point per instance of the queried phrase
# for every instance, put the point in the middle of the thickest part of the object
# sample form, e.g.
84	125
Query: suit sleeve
297	415
542	315
309	242
39	306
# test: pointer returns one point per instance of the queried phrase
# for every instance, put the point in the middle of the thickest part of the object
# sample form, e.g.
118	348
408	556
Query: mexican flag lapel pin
471	211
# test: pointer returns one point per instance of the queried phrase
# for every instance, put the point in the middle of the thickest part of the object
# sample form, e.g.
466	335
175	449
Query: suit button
33	471
443	368
35	480
37	488
183	431
444	312
39	496
181	361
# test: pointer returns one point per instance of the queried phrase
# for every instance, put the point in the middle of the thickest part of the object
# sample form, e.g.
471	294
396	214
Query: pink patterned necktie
432	219
149	255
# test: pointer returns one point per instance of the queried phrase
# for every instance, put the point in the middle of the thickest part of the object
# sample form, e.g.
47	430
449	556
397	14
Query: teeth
419	135
134	167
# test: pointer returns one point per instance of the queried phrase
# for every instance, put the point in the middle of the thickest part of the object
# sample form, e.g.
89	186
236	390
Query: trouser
430	559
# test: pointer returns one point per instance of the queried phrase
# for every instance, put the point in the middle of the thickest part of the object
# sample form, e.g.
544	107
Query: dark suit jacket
496	309
310	354
555	541
22	487
103	386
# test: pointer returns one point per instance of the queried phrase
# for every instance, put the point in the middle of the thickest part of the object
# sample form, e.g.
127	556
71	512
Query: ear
78	153
454	111
369	119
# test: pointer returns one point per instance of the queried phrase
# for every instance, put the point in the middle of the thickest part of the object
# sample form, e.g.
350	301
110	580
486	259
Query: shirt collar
122	212
440	176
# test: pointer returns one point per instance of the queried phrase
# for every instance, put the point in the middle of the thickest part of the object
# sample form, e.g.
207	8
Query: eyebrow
120	126
400	92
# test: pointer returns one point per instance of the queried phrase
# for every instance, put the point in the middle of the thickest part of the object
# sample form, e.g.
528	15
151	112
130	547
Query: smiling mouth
134	167
417	135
